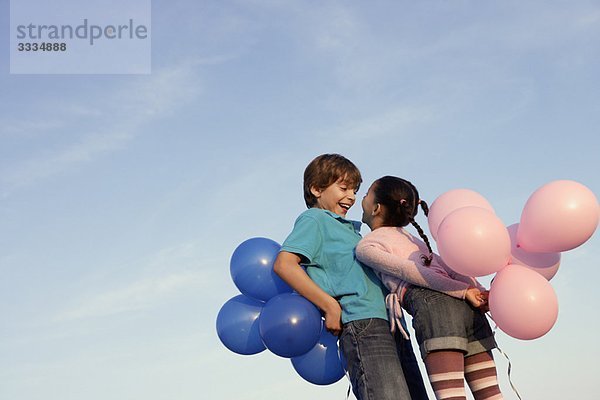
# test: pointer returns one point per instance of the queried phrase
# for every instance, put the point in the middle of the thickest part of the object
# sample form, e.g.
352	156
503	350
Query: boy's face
337	197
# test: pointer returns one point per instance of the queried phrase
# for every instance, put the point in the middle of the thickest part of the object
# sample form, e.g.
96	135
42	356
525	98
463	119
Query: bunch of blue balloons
268	314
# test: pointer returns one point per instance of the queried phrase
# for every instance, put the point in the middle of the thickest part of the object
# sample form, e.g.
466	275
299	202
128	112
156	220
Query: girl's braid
426	259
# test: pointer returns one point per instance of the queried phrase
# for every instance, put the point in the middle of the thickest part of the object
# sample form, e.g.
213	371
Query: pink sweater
395	255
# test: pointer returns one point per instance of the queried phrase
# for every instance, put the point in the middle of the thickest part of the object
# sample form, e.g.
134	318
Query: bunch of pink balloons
525	256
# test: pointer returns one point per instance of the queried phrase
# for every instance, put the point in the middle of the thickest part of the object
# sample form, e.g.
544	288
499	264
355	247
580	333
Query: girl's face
337	197
369	206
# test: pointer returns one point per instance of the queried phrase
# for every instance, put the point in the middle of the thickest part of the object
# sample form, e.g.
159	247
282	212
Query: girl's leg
480	373
446	374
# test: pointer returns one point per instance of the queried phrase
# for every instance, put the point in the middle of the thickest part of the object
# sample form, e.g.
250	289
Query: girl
454	335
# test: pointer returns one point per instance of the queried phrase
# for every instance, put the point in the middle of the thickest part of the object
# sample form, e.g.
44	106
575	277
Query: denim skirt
442	322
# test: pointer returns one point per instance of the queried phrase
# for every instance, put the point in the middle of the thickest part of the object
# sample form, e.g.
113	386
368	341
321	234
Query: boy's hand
287	266
333	318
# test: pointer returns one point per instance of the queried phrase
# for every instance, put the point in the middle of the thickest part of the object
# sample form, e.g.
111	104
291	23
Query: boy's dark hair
401	201
324	171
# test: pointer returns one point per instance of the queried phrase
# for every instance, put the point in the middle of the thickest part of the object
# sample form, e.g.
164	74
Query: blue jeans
442	322
410	367
373	363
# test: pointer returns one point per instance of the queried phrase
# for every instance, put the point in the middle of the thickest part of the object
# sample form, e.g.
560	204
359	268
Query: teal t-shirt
325	241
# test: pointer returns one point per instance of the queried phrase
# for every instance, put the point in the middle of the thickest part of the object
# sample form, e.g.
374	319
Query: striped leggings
448	370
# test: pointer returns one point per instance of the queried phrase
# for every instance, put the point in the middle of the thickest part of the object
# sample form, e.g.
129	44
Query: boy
349	294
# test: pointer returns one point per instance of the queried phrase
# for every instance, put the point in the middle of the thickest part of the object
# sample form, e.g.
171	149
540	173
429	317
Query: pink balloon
545	264
450	201
474	242
523	303
559	216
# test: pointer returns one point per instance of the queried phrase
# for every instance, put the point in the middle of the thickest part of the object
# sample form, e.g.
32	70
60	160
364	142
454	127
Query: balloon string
507	358
345	373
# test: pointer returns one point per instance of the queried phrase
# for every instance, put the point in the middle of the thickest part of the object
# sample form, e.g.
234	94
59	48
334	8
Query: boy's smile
337	197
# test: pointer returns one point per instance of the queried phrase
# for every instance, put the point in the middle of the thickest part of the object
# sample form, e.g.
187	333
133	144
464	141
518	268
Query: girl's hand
476	297
485	307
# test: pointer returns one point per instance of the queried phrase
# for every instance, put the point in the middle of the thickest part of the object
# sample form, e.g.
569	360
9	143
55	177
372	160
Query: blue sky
122	197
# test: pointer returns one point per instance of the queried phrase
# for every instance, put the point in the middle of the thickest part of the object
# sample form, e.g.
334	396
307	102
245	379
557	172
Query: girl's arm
287	266
377	257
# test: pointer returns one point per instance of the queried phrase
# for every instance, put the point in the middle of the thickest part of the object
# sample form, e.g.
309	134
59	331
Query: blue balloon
237	325
251	268
323	364
290	325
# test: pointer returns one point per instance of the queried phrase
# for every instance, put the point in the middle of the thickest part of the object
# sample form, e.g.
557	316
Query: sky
123	196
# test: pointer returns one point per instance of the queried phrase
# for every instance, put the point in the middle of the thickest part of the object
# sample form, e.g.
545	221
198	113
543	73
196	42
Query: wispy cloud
133	297
390	122
86	149
110	121
165	275
28	128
